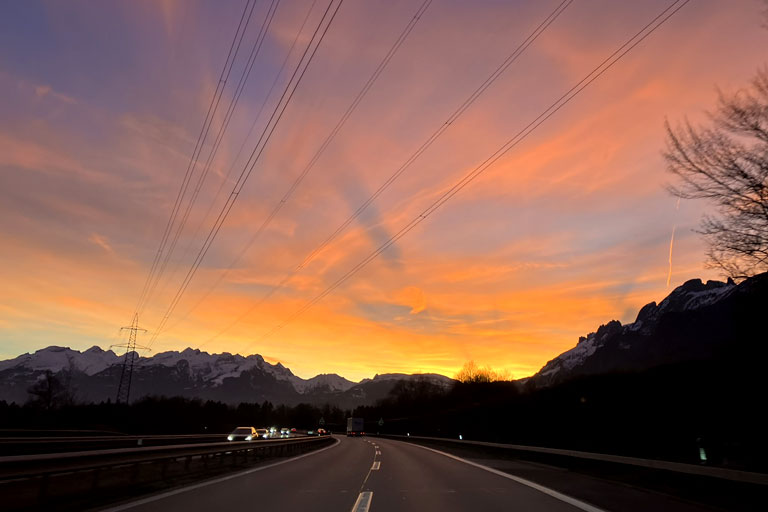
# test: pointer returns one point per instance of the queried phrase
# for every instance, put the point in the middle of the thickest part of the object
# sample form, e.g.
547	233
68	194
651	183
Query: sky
102	104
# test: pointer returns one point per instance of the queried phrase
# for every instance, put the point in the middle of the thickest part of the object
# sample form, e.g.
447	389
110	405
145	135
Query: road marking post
376	465
363	502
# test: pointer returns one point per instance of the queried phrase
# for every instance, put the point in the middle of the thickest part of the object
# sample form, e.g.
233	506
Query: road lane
325	481
413	479
381	475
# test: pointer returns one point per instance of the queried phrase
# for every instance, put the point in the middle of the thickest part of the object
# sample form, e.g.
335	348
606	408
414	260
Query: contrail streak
671	245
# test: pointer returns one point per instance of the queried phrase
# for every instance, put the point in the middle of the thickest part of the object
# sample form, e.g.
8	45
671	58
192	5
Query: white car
243	434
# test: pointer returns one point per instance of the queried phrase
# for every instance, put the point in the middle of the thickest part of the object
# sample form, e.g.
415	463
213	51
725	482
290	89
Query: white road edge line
363	502
180	490
376	465
546	490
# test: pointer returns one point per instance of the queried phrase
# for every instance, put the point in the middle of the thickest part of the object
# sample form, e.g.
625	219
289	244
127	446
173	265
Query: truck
355	427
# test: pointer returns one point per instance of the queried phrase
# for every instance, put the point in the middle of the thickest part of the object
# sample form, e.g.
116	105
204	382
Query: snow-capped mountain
55	359
215	368
323	382
95	373
695	321
434	378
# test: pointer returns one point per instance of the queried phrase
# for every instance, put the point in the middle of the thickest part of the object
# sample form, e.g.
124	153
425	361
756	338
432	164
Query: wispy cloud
46	90
102	242
102	108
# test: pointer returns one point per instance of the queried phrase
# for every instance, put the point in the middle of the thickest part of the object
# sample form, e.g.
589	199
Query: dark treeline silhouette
669	412
161	415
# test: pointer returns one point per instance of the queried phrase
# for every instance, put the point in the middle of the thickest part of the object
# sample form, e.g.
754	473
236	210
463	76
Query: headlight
230	437
248	438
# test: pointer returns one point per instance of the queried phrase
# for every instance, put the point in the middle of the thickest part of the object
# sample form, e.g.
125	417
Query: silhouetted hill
711	321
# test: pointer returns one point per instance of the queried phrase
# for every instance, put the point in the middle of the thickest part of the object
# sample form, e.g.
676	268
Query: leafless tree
472	373
51	392
726	163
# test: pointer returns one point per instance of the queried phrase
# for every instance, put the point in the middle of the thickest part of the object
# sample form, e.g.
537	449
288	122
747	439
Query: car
285	432
322	432
293	430
243	434
262	433
310	432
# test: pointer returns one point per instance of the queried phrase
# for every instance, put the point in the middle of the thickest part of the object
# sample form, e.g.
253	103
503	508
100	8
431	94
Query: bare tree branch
727	164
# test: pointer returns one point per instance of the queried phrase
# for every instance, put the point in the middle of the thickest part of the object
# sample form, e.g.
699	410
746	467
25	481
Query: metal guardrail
47	464
73	481
678	467
116	437
26	445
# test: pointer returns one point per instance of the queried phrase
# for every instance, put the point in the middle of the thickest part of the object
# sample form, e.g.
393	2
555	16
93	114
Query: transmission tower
124	389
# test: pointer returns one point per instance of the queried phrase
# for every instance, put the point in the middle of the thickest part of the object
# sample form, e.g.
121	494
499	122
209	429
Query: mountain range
712	321
93	376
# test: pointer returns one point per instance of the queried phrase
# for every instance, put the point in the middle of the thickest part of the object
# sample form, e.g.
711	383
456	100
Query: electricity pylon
124	389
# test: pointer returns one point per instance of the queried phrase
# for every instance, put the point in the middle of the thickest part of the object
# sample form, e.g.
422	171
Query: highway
361	474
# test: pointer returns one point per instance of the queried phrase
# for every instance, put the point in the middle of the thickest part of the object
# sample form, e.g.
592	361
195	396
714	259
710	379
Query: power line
327	141
219	136
126	374
240	150
153	274
256	153
508	61
604	66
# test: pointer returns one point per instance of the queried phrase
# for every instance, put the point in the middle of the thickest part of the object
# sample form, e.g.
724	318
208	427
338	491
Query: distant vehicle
285	432
293	430
243	434
355	427
322	432
310	432
262	433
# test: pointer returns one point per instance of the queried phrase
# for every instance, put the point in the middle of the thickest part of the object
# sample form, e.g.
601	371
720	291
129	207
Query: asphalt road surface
367	474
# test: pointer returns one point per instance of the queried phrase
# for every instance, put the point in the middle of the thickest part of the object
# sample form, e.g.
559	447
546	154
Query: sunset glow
102	106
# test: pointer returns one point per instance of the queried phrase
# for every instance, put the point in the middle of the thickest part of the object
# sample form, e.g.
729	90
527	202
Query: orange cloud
566	232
